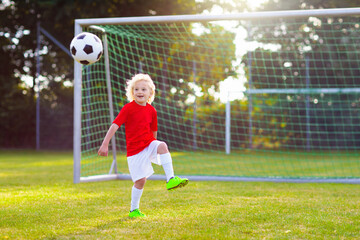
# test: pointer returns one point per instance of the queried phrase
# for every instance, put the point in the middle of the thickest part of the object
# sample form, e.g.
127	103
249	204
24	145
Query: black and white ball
86	48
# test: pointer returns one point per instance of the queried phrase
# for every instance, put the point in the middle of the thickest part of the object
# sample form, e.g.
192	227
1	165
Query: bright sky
232	88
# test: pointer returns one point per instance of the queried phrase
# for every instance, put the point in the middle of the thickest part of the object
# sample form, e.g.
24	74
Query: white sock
135	197
166	163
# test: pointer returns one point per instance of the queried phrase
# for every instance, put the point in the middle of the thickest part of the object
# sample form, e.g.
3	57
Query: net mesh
293	89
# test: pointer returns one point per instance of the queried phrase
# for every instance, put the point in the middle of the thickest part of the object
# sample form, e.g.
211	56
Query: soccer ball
86	48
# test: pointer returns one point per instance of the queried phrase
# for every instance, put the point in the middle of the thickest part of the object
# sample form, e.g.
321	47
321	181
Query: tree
299	46
18	40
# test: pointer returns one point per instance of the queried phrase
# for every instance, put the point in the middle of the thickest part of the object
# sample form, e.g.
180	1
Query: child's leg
136	193
166	160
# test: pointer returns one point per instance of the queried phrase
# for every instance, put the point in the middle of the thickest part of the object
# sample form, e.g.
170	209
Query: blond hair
137	78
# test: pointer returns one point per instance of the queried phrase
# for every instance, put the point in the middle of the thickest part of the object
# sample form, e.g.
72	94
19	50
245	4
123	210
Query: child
140	119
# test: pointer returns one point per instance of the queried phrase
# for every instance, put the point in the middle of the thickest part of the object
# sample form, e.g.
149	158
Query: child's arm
104	148
155	134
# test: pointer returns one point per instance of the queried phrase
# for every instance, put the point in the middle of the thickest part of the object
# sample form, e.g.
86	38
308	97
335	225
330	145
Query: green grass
39	201
255	163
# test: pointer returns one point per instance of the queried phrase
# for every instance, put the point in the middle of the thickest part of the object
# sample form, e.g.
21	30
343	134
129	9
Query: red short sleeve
122	116
154	126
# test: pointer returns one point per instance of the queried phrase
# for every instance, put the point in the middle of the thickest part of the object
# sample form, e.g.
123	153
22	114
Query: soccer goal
263	96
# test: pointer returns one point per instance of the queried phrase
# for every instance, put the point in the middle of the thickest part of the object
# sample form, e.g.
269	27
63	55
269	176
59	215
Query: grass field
257	163
39	201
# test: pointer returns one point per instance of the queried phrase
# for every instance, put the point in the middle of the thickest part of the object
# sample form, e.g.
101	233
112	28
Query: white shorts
140	164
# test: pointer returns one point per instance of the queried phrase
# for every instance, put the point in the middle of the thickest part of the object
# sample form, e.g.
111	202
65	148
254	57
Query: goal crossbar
220	17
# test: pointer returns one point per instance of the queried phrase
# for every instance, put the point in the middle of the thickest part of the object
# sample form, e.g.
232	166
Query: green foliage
17	111
307	53
18	34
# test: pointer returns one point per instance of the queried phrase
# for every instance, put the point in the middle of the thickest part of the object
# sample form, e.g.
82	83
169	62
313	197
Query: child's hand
103	151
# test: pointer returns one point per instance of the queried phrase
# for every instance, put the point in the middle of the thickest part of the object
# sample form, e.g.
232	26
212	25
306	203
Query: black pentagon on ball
73	51
88	49
82	36
84	62
99	56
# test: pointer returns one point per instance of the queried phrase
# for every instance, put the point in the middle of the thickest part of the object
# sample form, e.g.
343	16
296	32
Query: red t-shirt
140	123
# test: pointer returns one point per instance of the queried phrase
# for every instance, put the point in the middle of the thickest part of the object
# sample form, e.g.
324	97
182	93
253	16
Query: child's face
142	92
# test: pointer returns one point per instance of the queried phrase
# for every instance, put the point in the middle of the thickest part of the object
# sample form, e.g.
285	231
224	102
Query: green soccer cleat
136	213
176	182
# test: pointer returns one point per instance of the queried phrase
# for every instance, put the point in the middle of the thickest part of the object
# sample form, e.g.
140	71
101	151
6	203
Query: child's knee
139	184
162	148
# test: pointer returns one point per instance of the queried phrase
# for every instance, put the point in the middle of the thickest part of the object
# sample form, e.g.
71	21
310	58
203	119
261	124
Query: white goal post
79	94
